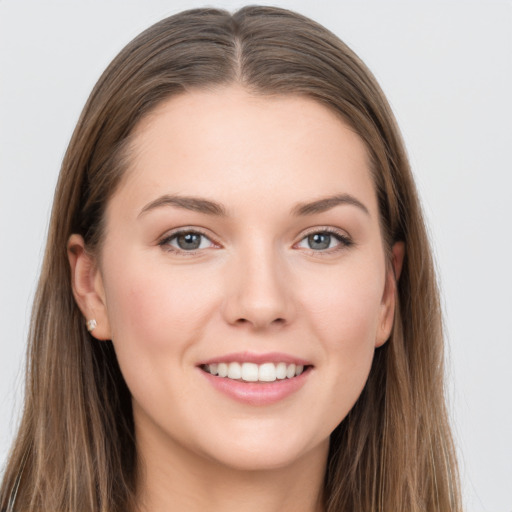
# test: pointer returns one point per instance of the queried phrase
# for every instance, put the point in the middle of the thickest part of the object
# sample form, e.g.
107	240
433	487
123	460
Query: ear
87	285
389	297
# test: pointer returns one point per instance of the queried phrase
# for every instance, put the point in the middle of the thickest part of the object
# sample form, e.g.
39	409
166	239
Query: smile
257	379
252	372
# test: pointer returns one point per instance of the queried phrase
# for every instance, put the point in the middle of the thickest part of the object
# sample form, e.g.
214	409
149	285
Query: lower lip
257	393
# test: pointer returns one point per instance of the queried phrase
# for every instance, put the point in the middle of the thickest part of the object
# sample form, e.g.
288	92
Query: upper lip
251	357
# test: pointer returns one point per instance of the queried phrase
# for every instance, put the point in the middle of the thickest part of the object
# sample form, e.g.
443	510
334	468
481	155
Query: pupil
319	241
189	241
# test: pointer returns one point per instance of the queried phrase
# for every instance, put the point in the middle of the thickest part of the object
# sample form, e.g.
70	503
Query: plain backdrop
446	68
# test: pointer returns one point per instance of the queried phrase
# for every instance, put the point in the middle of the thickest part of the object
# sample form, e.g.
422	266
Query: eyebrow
195	204
326	203
208	207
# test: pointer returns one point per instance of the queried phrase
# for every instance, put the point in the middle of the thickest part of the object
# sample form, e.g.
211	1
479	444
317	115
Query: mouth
252	372
257	379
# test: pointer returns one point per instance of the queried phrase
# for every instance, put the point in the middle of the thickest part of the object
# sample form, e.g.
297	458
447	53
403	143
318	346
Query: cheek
157	314
156	308
345	306
344	314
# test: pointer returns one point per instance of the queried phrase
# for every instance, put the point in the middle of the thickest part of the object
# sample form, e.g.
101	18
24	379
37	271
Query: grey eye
319	241
188	241
324	240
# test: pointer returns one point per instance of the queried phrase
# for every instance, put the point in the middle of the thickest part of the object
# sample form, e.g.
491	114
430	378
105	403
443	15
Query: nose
259	291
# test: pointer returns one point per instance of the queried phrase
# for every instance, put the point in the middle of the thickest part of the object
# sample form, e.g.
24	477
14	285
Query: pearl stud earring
91	324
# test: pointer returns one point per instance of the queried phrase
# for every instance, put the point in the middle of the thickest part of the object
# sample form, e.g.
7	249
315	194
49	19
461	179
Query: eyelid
324	229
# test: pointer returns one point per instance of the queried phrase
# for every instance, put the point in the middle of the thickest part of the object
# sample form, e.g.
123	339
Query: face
243	240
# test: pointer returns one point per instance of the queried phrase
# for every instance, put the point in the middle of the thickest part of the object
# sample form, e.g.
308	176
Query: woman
237	307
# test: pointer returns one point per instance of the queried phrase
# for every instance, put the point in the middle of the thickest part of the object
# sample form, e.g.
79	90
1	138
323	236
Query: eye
324	241
186	241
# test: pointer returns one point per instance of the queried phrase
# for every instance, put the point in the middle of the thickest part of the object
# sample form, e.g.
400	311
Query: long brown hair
75	448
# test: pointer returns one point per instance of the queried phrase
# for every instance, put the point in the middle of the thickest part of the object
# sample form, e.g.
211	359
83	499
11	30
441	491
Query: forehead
245	149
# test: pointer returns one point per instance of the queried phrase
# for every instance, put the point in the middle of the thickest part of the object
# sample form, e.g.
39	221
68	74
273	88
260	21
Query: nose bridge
258	291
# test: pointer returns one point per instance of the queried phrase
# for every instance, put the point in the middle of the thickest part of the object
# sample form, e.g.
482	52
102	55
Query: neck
188	482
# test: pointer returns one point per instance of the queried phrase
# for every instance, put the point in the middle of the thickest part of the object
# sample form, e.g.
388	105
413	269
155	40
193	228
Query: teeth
281	371
267	372
234	371
222	369
250	372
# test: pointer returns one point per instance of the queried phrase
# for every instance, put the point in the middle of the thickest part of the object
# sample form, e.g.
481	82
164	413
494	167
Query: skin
255	284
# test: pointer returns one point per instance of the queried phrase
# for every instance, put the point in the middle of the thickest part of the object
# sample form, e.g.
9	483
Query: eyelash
344	241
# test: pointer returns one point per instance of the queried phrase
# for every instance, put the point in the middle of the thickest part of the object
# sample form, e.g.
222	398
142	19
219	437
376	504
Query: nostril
276	321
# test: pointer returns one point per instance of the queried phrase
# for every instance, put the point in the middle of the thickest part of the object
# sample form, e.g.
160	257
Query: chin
257	453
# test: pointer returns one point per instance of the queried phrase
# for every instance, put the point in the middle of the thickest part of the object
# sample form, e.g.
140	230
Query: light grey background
446	68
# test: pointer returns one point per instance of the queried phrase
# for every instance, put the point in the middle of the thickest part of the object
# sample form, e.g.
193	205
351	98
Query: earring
91	324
